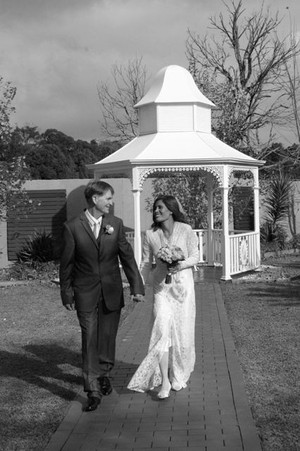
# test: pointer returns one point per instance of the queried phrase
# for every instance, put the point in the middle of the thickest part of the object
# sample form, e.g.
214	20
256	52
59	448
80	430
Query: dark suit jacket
89	265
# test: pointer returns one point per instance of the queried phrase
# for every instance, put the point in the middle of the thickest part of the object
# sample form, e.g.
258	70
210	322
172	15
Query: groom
91	283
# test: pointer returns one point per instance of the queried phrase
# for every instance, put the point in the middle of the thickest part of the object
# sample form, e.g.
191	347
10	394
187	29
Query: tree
25	136
120	120
105	148
190	190
12	168
49	162
54	155
83	154
240	72
7	94
279	158
290	85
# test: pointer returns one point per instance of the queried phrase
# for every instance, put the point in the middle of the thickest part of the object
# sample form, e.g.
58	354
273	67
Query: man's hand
138	298
70	306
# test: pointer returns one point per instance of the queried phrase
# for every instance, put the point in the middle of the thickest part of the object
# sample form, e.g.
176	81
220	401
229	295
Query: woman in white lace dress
171	354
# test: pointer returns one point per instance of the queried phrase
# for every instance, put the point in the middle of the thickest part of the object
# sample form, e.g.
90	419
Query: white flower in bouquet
170	255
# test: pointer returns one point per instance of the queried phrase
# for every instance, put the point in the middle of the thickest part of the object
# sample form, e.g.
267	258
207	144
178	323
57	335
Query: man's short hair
97	187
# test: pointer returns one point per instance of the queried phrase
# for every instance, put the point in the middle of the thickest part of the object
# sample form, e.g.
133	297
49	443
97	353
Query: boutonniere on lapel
108	229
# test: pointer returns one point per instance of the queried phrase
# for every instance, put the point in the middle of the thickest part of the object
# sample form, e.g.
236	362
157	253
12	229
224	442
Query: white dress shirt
94	223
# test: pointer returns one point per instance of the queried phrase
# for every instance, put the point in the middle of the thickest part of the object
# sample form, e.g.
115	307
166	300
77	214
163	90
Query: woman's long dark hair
172	204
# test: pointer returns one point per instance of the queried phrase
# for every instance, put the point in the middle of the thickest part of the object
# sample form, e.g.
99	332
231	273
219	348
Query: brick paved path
211	414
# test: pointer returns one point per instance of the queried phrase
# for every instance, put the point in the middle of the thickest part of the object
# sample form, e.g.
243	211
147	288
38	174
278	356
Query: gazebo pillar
210	221
136	190
256	211
225	238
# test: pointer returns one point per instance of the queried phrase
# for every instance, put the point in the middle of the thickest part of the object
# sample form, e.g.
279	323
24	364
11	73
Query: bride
171	354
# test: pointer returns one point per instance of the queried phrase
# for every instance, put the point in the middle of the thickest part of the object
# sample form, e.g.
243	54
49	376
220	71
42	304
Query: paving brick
145	442
75	442
57	441
157	448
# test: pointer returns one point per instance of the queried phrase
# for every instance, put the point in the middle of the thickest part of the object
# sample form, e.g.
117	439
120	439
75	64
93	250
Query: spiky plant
277	205
37	248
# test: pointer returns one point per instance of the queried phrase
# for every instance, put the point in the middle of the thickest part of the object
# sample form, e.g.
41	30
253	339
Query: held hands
175	269
138	298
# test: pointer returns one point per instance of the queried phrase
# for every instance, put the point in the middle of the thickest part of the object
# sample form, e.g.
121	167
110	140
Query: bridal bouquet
170	255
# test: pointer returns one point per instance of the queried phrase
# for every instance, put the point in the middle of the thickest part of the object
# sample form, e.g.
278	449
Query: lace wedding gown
173	310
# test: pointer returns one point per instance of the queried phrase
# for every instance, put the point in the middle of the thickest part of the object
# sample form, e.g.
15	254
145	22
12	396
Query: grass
40	364
265	320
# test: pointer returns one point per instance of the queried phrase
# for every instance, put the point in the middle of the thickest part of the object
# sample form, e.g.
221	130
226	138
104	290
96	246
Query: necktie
96	229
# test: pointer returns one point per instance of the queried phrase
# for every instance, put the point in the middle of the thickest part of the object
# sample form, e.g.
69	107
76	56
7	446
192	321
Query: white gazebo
175	136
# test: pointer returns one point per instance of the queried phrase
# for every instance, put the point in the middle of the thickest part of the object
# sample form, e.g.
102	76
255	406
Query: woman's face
161	212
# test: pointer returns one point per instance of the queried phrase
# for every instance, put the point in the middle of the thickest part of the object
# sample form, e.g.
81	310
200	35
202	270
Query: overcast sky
57	51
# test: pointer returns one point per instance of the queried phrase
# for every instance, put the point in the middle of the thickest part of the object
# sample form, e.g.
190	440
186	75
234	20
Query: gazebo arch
175	136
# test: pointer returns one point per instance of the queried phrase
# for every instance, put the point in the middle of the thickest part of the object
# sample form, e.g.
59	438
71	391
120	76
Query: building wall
123	203
47	216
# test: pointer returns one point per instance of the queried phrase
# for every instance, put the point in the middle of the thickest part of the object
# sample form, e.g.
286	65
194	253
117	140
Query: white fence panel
243	252
130	238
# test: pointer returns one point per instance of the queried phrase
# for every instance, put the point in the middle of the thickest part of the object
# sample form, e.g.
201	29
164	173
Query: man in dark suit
91	283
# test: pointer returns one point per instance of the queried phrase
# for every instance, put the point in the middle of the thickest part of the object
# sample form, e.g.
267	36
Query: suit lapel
87	227
103	225
102	229
106	221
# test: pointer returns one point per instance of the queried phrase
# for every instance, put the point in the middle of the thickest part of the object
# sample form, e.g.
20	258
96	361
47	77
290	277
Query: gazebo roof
174	118
173	84
175	148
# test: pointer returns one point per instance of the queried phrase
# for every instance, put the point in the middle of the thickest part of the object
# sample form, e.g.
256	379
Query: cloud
56	51
56	54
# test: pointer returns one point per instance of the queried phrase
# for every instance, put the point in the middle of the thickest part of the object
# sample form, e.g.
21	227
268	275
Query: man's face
103	203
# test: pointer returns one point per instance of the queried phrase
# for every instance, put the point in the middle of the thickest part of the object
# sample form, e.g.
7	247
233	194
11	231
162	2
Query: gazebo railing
243	252
202	235
243	249
130	238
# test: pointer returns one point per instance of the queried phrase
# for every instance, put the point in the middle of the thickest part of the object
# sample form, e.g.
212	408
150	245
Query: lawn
264	316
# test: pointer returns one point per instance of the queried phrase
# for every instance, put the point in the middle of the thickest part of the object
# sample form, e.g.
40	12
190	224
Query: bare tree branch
247	60
117	100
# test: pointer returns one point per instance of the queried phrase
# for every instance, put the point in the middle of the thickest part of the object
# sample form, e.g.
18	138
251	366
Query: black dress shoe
93	403
105	385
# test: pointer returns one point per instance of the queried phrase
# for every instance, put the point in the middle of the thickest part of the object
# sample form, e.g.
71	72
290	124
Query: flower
109	229
170	255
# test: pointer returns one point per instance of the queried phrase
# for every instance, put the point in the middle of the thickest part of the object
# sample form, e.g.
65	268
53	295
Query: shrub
295	241
37	249
272	237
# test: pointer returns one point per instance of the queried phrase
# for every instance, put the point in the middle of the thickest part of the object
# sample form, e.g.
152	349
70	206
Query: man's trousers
99	329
